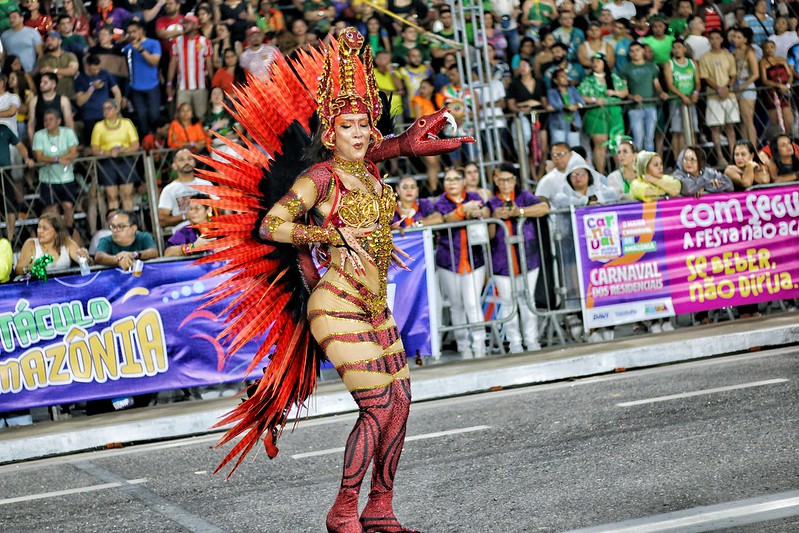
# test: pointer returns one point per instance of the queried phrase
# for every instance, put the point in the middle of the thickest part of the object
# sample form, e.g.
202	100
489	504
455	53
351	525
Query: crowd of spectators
602	90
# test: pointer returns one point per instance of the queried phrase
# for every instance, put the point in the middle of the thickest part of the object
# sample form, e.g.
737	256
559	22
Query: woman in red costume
341	209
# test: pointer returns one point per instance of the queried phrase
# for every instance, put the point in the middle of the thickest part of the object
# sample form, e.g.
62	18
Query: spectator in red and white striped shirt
191	61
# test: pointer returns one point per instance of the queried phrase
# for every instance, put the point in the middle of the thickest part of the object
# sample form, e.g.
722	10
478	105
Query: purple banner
650	260
111	334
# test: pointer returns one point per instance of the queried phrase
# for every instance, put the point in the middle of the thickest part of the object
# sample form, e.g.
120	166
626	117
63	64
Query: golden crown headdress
347	85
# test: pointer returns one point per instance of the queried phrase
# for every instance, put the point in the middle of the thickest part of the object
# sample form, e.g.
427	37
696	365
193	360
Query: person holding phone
93	88
511	203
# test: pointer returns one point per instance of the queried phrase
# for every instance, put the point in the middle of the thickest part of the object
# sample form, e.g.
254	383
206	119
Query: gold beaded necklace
356	169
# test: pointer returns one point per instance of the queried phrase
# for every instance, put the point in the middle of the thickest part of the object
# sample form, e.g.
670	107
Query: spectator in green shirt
659	41
642	81
6	7
678	26
682	80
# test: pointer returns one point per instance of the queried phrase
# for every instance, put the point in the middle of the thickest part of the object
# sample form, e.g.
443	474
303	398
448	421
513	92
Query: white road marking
415	407
703	392
407	439
90	488
711	517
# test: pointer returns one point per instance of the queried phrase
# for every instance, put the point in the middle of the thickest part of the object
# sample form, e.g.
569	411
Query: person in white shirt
174	197
552	182
621	9
257	57
696	42
783	38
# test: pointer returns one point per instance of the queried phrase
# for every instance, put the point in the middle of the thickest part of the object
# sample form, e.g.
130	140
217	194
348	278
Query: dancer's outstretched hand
397	258
352	251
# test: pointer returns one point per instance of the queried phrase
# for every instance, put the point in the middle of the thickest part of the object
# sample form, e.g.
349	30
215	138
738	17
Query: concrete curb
429	383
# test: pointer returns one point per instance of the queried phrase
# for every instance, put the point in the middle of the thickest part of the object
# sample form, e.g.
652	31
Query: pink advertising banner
683	255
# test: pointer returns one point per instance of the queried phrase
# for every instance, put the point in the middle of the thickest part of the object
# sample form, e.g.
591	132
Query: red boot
378	515
343	516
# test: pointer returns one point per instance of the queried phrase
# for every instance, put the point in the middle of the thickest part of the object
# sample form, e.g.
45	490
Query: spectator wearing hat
606	90
142	56
191	63
257	57
63	64
21	41
93	88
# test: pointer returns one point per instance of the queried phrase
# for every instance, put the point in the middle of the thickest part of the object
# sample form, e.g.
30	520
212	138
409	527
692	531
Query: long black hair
608	71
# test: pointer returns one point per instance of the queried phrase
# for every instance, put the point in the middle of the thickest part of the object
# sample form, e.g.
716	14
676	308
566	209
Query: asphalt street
702	446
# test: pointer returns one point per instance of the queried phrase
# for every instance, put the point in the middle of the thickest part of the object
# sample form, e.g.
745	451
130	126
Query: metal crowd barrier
90	203
555	296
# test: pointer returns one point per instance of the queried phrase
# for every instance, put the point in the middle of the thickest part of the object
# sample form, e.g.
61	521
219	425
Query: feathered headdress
348	85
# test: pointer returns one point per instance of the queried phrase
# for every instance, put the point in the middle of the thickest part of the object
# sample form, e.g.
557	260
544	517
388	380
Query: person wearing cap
63	64
604	91
190	67
256	58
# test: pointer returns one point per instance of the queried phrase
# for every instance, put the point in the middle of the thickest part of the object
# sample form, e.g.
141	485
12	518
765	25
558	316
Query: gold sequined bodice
361	209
